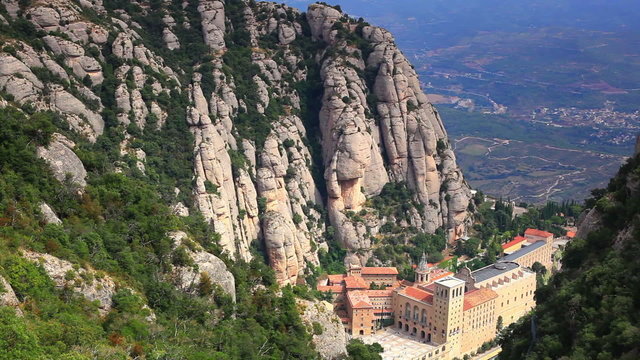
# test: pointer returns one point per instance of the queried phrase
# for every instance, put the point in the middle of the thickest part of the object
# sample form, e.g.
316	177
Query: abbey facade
454	313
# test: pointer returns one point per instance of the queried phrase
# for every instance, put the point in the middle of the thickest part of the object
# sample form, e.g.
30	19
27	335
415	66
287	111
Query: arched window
407	311
416	313
424	316
400	325
422	335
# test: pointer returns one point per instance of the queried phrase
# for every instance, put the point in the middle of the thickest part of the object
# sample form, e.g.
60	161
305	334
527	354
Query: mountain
157	156
590	309
573	102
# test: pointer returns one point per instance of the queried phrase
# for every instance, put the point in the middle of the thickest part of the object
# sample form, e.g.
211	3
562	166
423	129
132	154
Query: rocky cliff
296	120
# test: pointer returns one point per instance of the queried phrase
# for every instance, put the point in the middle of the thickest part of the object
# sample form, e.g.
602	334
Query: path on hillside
570	170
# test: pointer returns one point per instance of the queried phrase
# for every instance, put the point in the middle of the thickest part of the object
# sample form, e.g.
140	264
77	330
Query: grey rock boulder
332	342
8	296
48	215
63	161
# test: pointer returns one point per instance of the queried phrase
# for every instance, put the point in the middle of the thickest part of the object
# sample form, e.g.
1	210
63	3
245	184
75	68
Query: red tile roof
379	271
362	305
437	274
336	279
429	288
476	297
571	234
536	232
379	293
516	240
355	282
418	294
359	300
332	288
405	283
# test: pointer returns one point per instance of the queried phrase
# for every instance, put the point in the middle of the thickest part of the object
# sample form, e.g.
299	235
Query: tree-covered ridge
590	309
119	227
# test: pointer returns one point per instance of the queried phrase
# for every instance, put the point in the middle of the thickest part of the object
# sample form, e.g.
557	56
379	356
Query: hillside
590	309
175	172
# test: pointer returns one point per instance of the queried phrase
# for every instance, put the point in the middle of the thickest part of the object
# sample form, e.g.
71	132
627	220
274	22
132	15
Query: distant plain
552	85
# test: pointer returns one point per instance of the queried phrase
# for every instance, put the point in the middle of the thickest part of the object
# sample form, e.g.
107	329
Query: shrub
317	328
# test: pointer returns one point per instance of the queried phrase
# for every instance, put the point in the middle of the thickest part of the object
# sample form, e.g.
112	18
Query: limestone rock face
8	296
76	59
213	23
170	39
588	221
332	343
80	117
96	287
408	131
48	215
17	79
187	278
321	19
296	144
63	161
286	185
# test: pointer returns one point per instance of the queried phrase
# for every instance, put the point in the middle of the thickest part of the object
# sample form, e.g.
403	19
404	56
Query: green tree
17	342
358	350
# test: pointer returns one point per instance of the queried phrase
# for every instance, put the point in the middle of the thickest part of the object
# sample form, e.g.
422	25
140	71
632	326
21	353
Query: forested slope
590	310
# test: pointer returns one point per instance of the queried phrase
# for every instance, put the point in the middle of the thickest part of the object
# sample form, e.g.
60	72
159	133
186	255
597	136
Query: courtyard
398	345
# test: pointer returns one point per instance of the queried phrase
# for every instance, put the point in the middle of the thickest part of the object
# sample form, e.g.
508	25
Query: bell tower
422	271
448	302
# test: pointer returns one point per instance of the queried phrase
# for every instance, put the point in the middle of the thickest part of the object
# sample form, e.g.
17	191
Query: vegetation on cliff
118	225
590	309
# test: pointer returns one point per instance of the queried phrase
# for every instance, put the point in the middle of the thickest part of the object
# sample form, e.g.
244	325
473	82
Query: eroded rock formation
92	285
298	120
331	342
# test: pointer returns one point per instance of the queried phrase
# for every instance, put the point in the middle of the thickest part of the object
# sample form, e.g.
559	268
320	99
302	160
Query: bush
317	328
211	187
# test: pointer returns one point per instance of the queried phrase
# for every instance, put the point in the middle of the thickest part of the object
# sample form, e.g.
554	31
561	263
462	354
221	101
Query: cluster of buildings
455	313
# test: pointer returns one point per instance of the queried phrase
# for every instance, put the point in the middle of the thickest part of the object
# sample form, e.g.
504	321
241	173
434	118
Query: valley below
552	93
532	172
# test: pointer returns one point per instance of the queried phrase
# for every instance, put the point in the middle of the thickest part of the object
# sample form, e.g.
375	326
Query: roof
359	300
437	274
571	234
516	240
379	293
362	305
476	297
514	256
379	271
406	283
337	278
494	270
418	294
450	281
332	288
536	232
355	282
